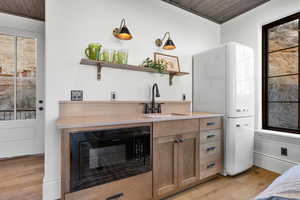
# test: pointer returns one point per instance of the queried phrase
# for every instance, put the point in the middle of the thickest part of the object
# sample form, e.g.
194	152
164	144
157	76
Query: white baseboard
51	189
272	163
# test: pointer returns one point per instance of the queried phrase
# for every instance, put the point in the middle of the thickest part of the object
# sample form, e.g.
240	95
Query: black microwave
99	157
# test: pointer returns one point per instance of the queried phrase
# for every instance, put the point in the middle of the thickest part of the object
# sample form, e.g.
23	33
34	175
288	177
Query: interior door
240	81
21	93
165	163
188	162
239	144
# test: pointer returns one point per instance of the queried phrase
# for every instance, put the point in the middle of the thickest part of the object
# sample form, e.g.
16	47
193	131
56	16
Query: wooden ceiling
218	11
34	9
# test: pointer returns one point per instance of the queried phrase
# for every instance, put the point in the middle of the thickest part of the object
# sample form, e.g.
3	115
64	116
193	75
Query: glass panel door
26	78
7	76
18	65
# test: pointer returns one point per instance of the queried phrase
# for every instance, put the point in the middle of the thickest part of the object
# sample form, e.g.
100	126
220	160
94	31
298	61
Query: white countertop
92	121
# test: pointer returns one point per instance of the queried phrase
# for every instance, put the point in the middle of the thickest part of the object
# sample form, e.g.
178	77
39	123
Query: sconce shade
169	45
124	34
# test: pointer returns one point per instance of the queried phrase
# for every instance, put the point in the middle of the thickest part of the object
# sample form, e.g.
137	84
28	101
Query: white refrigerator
223	82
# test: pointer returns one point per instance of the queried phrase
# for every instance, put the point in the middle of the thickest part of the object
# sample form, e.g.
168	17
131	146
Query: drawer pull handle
210	136
210	149
211	165
115	197
210	123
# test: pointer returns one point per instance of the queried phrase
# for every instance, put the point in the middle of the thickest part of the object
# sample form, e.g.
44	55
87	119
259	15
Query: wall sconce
122	33
169	45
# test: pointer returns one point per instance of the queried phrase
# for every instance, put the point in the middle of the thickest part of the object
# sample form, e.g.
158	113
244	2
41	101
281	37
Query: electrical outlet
183	97
76	95
284	151
113	95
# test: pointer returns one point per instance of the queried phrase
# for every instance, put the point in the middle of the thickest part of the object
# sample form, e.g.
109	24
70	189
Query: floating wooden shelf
100	64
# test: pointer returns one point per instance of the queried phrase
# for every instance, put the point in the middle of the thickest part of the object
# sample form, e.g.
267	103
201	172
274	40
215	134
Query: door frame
38	123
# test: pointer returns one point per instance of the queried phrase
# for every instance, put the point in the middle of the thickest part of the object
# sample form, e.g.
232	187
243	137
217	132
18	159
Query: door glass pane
284	88
283	62
283	36
283	115
26	78
7	76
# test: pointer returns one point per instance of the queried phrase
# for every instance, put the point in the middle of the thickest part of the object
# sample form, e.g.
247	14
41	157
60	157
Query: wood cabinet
176	156
133	188
211	147
188	159
165	165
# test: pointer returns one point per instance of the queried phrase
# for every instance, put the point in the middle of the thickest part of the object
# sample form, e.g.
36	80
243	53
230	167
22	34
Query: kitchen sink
163	115
158	115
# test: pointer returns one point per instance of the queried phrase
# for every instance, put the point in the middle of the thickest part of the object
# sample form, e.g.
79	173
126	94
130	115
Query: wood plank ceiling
218	11
34	9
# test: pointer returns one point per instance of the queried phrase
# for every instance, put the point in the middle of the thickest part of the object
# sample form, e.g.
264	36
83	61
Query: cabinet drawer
176	127
210	123
210	167
210	136
133	188
211	149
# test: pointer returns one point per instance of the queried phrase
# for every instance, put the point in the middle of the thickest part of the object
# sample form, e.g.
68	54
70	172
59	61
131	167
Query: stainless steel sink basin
158	115
163	115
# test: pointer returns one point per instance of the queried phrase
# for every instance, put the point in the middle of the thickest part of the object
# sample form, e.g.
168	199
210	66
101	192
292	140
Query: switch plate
284	151
76	95
113	95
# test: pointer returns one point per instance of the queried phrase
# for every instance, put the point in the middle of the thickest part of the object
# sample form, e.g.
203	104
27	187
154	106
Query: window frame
265	78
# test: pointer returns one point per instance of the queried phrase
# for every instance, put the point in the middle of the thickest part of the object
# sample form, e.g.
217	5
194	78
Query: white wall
21	23
71	25
18	138
247	29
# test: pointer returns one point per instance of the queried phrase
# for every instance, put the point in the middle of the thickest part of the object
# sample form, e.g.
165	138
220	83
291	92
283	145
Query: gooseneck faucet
156	91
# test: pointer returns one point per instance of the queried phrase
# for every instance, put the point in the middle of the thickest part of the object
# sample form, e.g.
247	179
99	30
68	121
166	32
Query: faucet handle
146	108
159	107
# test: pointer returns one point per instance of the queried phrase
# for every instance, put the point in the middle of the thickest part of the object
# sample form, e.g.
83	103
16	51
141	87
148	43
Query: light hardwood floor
21	179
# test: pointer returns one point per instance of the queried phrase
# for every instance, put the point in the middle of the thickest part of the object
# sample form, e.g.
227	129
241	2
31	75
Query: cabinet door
188	163
165	163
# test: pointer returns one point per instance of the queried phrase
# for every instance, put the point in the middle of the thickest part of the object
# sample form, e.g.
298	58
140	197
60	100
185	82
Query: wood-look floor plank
241	187
21	179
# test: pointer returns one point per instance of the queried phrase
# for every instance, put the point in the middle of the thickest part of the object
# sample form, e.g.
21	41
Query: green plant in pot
159	66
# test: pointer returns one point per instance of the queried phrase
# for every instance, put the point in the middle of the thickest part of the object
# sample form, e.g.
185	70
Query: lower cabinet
133	188
188	159
185	153
165	165
175	163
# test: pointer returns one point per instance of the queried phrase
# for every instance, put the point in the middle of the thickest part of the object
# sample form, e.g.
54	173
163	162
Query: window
18	62
281	75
